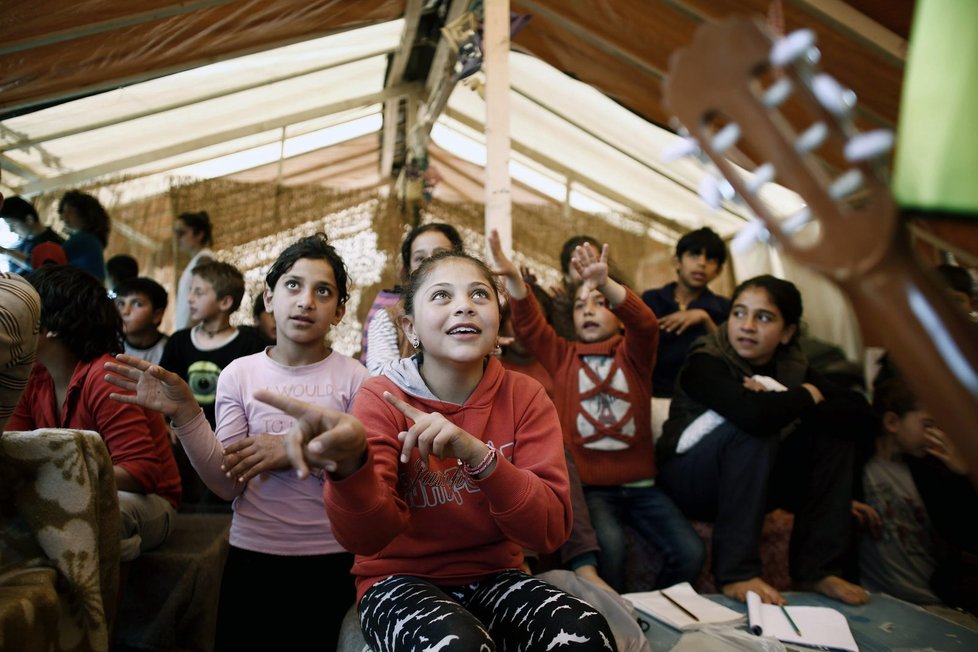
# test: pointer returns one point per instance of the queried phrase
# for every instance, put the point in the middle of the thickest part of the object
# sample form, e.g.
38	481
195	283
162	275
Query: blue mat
885	623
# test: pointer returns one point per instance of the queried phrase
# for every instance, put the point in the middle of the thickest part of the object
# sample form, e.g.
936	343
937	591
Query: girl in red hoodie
448	468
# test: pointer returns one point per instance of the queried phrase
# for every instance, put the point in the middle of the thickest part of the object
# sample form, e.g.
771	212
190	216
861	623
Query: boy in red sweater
603	394
80	331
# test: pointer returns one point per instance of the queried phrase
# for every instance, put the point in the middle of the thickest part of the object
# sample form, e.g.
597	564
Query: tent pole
495	52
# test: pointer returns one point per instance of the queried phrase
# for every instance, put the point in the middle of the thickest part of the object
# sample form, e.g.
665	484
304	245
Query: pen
684	609
788	616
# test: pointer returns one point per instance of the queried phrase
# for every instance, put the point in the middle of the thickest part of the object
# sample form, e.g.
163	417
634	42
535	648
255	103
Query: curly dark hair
316	247
75	307
95	219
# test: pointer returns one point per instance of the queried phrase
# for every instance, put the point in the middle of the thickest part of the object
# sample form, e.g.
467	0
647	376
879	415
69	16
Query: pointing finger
409	411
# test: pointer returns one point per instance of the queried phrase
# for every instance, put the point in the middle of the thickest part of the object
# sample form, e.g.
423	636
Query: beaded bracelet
480	468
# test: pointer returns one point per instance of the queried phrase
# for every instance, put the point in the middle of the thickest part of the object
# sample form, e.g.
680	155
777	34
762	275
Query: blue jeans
659	522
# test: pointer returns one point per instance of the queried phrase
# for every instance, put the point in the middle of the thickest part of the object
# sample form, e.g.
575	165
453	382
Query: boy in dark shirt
198	354
686	308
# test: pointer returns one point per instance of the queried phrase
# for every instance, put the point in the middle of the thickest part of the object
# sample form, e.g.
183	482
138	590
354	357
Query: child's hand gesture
594	273
503	266
592	267
433	434
248	457
941	447
155	388
320	436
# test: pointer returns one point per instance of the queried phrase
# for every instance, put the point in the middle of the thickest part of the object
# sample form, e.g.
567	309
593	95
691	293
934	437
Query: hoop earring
416	343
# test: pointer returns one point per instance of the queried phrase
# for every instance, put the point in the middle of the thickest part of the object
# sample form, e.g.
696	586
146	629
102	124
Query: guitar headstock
731	87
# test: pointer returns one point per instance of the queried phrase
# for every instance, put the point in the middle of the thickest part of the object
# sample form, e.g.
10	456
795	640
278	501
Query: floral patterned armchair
59	541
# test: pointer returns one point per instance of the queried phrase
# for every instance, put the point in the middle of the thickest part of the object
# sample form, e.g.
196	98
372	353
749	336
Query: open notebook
705	611
821	627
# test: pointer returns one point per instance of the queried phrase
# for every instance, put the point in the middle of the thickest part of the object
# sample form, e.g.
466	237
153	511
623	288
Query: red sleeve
370	495
22	419
537	335
641	332
125	429
529	498
25	415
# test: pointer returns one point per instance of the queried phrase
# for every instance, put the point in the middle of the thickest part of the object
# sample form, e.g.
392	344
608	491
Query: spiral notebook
687	609
819	627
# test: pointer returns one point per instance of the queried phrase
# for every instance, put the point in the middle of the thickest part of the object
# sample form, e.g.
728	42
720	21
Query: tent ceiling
306	82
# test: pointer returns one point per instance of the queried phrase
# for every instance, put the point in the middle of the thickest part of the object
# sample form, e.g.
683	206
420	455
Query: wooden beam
21	170
112	167
395	74
495	57
439	84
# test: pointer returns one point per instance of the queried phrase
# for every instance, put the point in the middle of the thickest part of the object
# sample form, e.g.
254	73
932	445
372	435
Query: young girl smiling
279	531
452	467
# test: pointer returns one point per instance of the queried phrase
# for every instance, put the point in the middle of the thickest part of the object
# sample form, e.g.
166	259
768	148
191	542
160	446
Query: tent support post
495	52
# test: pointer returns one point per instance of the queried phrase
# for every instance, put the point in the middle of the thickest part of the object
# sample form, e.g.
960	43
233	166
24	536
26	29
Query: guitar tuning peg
725	138
846	184
748	236
726	189
868	145
777	93
791	47
836	99
709	191
811	138
763	174
681	148
797	222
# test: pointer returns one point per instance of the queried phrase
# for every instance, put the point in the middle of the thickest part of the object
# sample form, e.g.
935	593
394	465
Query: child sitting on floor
920	509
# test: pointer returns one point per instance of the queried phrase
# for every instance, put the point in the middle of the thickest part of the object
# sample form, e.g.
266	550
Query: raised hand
592	267
941	447
321	437
153	388
502	266
248	457
434	435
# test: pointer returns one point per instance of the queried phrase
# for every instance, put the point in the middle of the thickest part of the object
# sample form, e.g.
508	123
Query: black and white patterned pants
508	612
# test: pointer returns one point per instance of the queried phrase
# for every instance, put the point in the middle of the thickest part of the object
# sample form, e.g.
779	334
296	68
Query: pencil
788	616
682	608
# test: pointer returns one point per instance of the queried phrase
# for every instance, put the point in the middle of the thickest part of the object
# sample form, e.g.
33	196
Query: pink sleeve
370	494
206	454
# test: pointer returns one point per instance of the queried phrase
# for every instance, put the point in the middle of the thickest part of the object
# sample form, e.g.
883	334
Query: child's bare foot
841	590
738	591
